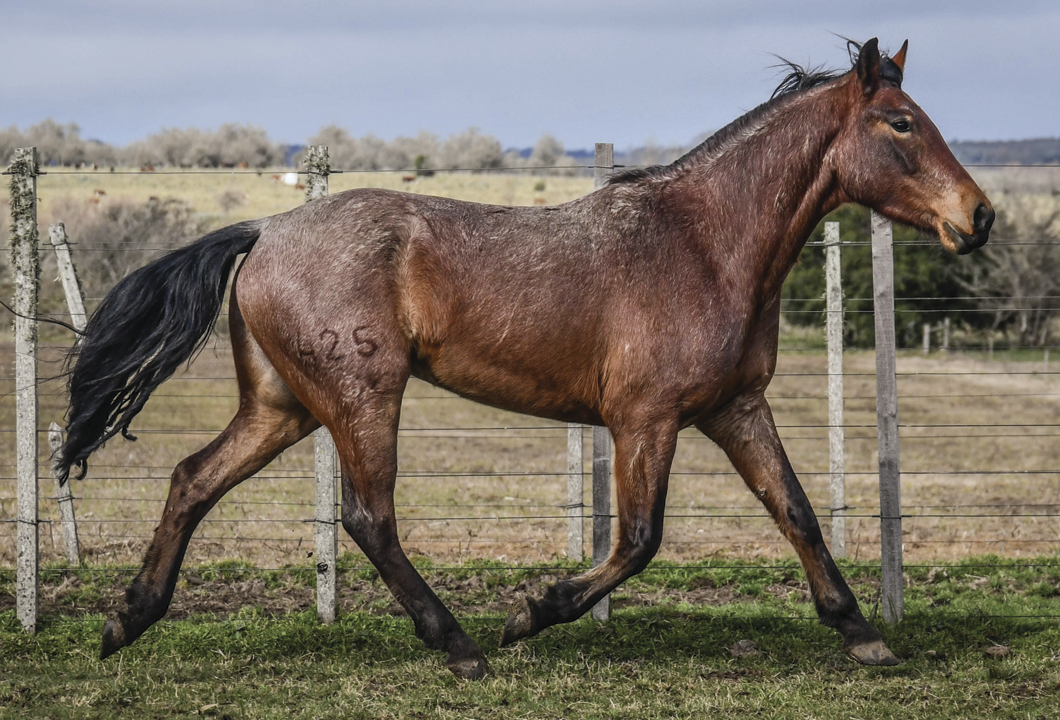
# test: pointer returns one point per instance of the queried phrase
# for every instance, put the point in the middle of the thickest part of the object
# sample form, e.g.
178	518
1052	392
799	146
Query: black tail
146	327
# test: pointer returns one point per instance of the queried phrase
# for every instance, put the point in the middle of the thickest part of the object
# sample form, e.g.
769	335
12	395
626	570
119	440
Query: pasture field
263	194
980	640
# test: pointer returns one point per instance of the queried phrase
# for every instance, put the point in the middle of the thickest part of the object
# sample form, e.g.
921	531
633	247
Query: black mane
798	79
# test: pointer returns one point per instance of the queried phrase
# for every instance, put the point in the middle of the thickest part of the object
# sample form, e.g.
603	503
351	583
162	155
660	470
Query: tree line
234	145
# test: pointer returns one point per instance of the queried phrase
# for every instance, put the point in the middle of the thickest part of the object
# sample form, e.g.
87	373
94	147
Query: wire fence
980	470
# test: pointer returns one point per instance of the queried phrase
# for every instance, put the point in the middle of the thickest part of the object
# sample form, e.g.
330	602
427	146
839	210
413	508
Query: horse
648	306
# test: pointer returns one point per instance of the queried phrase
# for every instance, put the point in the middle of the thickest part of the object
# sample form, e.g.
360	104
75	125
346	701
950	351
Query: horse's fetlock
432	633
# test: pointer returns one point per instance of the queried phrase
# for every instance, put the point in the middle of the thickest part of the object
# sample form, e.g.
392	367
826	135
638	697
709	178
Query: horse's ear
899	57
868	66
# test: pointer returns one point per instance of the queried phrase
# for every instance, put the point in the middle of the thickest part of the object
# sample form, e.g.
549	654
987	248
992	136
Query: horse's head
890	157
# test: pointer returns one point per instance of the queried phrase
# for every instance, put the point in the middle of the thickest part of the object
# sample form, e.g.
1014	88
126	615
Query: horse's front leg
643	453
747	434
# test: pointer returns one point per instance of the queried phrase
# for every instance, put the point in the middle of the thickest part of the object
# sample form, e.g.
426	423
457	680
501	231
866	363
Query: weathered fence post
75	298
65	496
836	454
75	301
945	334
893	589
575	493
318	167
927	339
604	166
25	259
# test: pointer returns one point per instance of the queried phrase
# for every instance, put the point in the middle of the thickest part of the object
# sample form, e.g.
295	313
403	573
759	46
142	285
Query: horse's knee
803	524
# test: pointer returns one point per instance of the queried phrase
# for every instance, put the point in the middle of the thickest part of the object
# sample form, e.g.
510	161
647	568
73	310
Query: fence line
572	514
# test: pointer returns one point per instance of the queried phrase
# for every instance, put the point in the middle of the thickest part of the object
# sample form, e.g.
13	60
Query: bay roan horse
648	306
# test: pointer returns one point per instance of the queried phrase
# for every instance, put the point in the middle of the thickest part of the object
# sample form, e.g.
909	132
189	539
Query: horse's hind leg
269	420
367	445
749	437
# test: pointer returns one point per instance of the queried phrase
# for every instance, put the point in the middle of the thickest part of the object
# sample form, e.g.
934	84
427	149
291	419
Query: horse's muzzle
982	222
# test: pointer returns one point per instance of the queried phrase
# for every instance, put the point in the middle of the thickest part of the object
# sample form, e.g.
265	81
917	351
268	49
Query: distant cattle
408	179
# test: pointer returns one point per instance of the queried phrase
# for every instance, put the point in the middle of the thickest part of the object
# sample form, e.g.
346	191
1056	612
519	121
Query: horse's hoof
521	623
873	652
113	638
469	667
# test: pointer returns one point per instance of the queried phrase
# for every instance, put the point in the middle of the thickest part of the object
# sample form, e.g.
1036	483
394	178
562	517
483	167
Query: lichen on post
25	260
318	167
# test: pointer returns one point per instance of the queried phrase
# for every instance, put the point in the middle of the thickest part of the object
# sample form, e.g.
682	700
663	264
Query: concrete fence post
836	437
575	492
893	587
604	167
25	260
318	167
64	495
75	301
75	297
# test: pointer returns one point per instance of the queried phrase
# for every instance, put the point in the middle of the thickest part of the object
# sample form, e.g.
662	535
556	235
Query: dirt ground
66	594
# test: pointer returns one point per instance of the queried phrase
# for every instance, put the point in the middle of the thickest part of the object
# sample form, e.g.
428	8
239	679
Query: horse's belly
548	384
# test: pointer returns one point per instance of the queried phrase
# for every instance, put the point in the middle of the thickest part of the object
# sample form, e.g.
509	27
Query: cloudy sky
616	71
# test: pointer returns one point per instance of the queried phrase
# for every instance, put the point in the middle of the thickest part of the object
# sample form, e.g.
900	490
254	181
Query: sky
585	71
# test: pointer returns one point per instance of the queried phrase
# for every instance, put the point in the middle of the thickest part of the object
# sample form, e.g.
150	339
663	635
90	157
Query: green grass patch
667	660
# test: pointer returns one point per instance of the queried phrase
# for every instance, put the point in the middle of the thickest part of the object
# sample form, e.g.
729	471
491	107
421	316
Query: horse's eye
902	126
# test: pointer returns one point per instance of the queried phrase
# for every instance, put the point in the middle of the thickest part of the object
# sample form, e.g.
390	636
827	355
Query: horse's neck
773	187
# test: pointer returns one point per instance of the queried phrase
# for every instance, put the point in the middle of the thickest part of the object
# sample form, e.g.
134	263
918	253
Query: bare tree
56	143
550	154
230	145
471	150
1017	274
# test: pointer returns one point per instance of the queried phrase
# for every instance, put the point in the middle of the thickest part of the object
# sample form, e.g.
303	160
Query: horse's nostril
984	219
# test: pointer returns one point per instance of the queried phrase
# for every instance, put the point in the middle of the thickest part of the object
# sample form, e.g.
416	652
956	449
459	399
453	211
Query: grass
669	660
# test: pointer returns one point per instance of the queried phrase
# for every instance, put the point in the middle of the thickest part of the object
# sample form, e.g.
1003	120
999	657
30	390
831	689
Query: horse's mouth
959	242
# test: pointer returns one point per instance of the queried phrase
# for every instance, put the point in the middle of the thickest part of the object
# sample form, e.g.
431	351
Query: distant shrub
111	239
231	198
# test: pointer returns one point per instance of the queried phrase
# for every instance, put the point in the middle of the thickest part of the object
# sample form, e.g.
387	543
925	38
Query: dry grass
995	428
265	195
